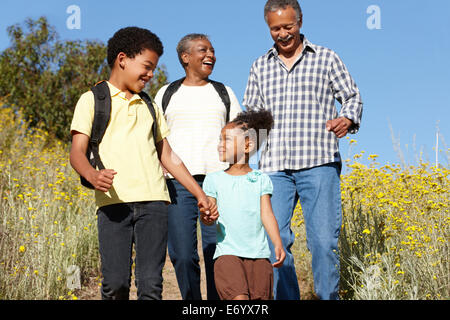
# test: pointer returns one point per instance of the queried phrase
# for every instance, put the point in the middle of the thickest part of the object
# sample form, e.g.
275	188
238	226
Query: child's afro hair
132	41
260	120
254	119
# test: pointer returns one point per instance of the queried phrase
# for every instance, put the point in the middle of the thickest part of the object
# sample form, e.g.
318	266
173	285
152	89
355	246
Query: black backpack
102	107
220	88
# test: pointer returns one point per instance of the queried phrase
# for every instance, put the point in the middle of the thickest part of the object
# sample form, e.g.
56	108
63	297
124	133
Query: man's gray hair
274	5
185	44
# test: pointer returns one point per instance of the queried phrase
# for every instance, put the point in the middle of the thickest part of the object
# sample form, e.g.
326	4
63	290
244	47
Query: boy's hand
203	204
213	212
208	214
102	180
280	255
164	170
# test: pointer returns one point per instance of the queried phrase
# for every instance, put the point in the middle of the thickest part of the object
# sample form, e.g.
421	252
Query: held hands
102	180
339	126
280	255
208	211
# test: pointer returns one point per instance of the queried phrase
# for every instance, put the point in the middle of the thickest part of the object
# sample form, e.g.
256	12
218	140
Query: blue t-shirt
240	231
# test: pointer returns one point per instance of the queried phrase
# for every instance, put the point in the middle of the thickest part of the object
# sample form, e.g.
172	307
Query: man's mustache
285	39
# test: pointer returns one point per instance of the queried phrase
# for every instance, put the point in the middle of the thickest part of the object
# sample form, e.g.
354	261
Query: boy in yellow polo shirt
131	194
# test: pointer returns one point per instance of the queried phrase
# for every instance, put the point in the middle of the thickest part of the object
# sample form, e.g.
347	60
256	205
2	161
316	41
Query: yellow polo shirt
127	147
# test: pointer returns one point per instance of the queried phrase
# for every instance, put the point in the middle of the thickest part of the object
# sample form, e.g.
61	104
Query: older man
299	82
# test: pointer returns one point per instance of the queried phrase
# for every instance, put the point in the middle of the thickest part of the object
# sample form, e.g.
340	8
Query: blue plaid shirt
301	100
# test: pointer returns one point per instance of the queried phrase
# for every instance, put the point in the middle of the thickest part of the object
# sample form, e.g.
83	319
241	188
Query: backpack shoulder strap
223	93
144	96
102	112
218	86
171	89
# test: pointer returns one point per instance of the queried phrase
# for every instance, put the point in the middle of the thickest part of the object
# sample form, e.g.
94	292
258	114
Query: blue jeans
320	197
119	226
182	244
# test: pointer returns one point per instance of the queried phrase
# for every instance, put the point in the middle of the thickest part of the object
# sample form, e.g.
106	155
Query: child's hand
206	219
210	214
203	204
280	255
164	170
213	212
102	180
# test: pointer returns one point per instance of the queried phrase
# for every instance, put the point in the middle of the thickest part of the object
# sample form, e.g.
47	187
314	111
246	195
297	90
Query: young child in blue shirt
242	270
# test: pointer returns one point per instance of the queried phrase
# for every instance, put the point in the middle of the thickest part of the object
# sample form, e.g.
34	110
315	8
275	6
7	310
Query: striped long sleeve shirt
302	100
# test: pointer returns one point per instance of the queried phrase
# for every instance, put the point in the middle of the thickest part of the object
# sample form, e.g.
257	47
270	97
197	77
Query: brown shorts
241	276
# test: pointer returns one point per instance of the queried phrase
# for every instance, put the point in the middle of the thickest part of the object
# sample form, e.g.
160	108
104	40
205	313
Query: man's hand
102	180
339	126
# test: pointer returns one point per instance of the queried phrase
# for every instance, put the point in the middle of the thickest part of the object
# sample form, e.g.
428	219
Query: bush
394	236
48	220
45	76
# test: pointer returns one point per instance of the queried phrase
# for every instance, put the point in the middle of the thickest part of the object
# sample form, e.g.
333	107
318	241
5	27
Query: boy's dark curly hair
131	41
258	122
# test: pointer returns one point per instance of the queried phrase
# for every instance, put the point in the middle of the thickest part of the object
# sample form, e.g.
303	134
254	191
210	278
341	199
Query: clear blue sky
402	69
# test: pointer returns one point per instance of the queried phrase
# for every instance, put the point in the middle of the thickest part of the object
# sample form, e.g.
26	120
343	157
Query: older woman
195	113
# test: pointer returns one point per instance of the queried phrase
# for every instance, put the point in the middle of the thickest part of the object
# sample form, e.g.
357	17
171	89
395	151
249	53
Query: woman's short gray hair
274	5
184	45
